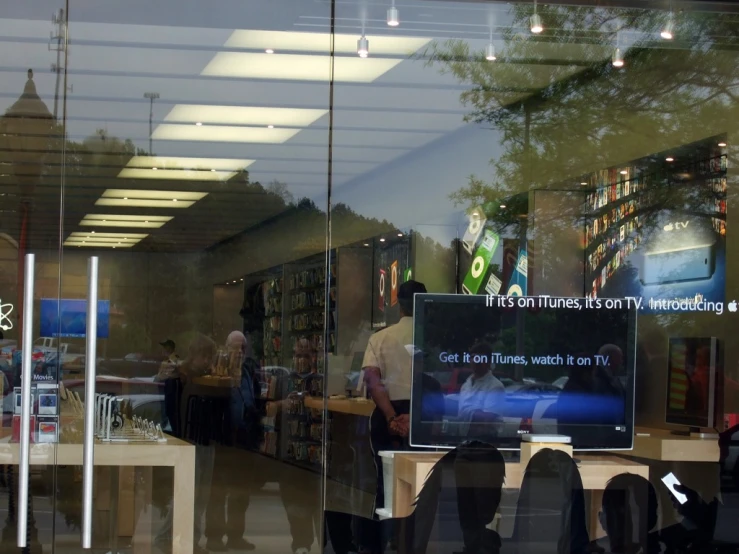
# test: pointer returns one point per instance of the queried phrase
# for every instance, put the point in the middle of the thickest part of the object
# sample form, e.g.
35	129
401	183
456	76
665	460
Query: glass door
31	169
196	161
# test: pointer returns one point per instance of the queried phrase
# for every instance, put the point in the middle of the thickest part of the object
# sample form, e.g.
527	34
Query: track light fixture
668	31
393	19
363	47
536	26
618	58
490	50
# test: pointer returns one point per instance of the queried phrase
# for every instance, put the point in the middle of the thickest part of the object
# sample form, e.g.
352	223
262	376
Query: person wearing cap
169	347
387	369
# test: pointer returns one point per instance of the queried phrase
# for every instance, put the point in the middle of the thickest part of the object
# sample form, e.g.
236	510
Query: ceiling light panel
116	220
113	244
243	115
173	168
154	194
197	164
223	133
149	198
136	203
175	174
296	67
321	42
83	235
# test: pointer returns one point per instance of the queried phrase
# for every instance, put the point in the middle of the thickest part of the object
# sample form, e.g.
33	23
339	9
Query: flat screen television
486	371
67	318
692	381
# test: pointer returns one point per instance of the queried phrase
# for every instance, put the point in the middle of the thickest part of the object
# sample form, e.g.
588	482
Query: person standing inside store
229	498
387	373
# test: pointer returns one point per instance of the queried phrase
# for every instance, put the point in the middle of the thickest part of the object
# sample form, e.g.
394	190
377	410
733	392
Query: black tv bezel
585	437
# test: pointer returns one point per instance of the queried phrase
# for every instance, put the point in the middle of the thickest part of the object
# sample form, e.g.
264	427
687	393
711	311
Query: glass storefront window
367	276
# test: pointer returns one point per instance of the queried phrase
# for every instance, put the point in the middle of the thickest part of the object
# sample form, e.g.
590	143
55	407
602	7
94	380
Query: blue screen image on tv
68	318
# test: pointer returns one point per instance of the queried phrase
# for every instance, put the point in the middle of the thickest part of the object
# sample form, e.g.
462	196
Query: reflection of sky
400	145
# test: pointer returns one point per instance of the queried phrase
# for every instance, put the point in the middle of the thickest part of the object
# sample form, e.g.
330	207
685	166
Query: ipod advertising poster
490	264
392	268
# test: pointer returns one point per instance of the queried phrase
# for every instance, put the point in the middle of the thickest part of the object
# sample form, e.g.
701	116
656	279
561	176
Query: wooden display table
217	382
659	444
175	453
410	470
345	405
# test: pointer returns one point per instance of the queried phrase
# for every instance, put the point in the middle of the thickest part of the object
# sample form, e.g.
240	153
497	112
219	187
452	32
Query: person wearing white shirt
482	395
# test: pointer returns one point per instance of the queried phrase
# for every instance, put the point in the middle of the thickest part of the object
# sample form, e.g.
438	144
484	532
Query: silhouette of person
456	505
550	515
629	515
714	525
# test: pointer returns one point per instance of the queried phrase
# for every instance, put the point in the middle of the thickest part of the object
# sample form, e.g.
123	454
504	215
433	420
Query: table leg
183	502
595	530
143	511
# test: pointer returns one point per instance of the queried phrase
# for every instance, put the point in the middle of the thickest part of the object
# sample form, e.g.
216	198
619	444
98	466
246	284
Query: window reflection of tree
589	115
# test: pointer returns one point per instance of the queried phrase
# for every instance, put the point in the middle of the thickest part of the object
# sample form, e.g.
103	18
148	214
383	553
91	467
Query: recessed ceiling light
269	51
125	198
722	144
199	123
244	115
222	133
154	168
242	278
669	159
270	126
382	240
366	244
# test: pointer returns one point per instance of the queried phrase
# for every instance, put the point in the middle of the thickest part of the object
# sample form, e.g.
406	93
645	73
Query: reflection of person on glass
608	373
482	395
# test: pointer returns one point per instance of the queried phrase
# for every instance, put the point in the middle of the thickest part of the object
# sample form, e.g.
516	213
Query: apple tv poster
659	236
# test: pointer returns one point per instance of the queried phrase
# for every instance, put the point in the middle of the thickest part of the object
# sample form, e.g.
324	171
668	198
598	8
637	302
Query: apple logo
732	306
668	227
